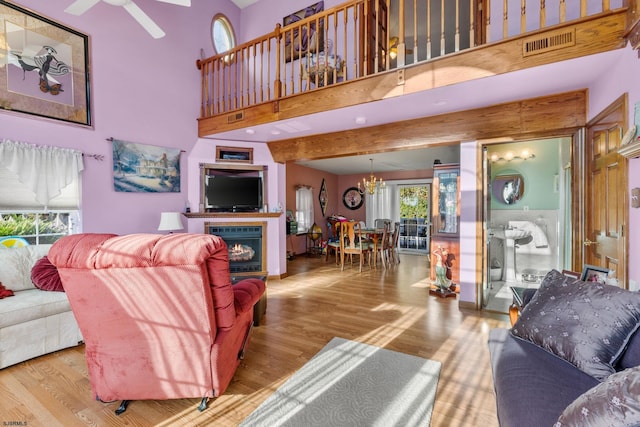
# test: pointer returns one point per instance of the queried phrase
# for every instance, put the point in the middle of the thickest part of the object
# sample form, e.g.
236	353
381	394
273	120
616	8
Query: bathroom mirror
508	189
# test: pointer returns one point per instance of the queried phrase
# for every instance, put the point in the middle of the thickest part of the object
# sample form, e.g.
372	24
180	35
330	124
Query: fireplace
246	243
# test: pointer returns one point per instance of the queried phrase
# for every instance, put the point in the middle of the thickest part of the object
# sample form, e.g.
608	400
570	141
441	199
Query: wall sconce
170	221
510	155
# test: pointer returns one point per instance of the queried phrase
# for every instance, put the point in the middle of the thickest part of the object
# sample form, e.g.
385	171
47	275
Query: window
304	208
37	208
222	35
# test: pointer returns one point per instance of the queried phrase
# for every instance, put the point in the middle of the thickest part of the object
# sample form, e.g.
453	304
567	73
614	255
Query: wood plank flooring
387	308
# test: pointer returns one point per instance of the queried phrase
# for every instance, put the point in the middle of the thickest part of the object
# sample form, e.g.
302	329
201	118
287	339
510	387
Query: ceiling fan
81	6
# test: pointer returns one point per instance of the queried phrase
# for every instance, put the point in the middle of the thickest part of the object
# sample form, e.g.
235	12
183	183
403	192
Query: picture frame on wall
46	70
323	197
306	39
234	154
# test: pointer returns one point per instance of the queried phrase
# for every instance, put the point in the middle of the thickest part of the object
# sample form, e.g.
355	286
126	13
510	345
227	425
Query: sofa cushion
45	277
631	356
585	323
613	402
532	386
31	304
16	265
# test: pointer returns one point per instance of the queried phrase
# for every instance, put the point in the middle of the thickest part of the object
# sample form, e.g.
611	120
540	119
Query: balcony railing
364	37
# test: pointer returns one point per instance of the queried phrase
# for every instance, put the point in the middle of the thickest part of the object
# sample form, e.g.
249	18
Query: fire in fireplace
245	243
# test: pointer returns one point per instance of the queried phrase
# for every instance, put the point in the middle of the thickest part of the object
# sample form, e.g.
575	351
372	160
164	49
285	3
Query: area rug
353	384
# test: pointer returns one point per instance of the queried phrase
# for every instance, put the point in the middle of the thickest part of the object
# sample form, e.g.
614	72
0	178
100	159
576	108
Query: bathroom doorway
527	196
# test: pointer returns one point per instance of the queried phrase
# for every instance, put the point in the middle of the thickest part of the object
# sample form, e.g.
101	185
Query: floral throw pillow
586	323
614	402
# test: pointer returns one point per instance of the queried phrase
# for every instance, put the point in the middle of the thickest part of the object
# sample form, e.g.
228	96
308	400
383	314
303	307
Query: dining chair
333	239
352	243
394	256
381	245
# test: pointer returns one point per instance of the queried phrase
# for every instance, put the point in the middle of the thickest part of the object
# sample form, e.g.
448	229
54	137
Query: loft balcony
369	50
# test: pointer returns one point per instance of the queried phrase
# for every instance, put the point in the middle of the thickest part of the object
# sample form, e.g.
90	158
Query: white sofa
32	322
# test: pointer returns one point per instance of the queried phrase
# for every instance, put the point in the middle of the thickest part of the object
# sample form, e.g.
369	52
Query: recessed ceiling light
440	102
250	131
275	132
361	120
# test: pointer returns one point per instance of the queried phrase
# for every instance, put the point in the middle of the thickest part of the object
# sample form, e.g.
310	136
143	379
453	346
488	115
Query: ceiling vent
235	117
549	41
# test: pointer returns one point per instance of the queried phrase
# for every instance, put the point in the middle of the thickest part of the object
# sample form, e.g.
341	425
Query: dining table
375	236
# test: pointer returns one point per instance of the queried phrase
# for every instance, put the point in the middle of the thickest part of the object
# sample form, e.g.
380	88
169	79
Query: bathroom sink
497	233
516	234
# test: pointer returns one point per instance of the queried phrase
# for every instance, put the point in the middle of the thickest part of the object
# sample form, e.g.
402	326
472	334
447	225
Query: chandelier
372	183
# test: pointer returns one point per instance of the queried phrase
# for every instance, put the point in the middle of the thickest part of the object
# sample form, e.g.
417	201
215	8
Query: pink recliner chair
158	313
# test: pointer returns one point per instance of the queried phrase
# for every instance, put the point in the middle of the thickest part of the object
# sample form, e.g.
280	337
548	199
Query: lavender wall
622	77
143	90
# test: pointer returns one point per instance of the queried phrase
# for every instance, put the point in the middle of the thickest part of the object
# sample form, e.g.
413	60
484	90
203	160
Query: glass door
415	212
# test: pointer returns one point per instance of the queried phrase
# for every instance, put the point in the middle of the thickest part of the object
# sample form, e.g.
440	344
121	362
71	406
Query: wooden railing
364	37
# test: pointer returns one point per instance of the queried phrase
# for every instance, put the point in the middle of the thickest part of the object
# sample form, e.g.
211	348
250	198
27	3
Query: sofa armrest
246	293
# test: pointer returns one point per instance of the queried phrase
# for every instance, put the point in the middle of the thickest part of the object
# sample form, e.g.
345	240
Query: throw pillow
44	276
588	324
613	402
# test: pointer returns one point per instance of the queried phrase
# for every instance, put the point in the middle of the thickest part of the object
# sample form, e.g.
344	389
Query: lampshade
170	221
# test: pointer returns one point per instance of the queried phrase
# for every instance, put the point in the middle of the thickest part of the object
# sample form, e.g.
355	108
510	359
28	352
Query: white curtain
380	204
304	208
44	170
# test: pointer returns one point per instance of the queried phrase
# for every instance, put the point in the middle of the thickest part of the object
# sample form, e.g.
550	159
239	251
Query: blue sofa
533	386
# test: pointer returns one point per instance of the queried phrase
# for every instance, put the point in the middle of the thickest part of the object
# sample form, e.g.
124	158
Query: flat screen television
230	193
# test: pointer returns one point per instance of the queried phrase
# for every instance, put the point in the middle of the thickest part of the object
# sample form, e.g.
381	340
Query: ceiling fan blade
186	3
79	7
144	20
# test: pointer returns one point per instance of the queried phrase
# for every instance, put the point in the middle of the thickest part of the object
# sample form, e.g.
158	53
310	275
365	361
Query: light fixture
510	155
170	221
372	184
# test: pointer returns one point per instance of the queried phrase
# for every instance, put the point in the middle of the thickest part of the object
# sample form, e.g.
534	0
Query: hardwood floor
388	308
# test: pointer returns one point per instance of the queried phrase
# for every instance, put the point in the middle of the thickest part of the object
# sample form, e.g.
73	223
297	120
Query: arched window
222	35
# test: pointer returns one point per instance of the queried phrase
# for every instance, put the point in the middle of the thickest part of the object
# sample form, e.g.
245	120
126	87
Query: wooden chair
333	239
394	257
382	245
352	243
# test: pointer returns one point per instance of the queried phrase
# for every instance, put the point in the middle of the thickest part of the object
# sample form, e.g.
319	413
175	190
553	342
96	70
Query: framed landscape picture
44	67
234	154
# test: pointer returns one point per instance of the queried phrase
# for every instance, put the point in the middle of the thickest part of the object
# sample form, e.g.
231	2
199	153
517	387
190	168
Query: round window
222	34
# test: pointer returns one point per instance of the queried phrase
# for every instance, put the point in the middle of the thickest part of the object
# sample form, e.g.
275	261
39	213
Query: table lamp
170	221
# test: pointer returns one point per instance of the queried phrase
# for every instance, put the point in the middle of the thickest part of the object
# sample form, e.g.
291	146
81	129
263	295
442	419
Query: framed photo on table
592	273
44	67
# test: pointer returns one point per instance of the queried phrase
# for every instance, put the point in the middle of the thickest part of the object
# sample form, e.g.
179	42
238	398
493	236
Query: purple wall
143	90
622	77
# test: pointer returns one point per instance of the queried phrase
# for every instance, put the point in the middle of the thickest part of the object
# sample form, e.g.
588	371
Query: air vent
548	42
235	117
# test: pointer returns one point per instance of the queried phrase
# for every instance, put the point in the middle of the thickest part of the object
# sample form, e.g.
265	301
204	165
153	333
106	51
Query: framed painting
44	67
234	154
300	41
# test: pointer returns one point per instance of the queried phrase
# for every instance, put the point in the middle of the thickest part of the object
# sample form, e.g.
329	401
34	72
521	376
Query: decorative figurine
444	261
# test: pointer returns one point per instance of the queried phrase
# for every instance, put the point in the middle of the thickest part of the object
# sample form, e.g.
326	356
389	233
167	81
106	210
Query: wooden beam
531	118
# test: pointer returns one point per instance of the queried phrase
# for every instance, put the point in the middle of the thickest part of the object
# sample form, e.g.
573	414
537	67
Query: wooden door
604	241
377	20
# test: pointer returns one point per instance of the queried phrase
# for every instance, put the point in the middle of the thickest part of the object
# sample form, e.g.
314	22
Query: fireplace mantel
232	214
